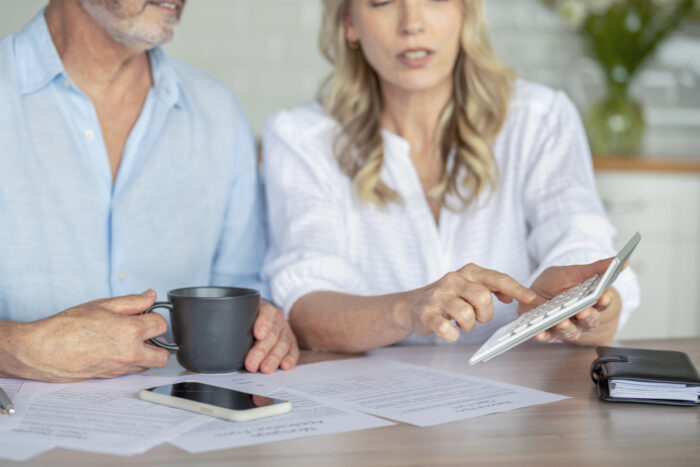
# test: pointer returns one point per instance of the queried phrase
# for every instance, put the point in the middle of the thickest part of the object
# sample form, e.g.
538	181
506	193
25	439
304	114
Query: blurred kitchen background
266	52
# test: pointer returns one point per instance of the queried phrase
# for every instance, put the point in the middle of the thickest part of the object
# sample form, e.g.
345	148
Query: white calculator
556	310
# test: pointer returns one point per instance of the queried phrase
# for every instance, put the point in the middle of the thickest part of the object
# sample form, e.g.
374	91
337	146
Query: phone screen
214	395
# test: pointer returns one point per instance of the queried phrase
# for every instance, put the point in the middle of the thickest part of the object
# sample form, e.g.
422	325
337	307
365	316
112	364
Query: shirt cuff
313	275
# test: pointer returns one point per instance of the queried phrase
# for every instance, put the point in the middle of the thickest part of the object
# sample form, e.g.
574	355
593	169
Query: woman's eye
376	4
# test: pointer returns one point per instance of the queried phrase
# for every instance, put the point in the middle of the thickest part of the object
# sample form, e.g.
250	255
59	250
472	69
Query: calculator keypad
551	307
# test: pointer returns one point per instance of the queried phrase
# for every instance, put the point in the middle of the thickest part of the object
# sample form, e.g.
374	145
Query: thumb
582	272
130	304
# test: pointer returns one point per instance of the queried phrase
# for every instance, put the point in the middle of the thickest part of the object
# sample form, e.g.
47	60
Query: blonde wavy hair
468	125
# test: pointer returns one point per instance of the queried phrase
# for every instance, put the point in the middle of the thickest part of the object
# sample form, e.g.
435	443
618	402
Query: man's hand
593	326
275	346
99	339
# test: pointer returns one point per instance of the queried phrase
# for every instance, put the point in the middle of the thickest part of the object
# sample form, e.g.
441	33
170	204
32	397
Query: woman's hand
465	297
275	343
595	325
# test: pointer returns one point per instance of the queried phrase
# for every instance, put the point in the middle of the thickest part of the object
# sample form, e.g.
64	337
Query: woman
424	158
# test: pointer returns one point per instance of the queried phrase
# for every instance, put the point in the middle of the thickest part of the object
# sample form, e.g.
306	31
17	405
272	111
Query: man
120	169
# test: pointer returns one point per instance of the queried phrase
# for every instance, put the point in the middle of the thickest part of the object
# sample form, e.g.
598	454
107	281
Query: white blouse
545	211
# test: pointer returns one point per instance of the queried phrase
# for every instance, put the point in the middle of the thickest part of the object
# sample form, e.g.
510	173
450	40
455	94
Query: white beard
129	31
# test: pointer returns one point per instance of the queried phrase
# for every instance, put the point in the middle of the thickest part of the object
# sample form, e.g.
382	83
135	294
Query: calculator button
537	320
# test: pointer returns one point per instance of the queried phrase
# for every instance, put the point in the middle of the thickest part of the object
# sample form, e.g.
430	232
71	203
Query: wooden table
579	431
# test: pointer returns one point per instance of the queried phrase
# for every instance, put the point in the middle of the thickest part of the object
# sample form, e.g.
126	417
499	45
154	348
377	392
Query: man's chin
144	41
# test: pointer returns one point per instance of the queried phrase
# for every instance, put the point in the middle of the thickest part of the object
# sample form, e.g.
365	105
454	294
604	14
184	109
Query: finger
273	359
481	301
525	307
503	298
266	319
604	301
292	357
153	357
566	330
261	348
587	319
252	361
153	325
580	273
130	304
442	328
549	336
507	286
462	313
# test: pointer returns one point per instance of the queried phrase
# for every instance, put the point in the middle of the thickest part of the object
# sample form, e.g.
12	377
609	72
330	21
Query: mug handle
163	345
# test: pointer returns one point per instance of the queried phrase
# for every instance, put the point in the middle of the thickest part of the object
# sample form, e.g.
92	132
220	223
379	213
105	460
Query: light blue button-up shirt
185	209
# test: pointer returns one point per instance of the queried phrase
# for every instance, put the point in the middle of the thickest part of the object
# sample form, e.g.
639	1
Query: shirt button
66	83
89	135
122	276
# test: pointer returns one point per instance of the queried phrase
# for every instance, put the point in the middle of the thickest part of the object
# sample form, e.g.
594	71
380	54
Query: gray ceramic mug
212	326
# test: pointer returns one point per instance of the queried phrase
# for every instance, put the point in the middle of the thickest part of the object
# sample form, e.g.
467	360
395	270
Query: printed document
406	393
307	418
99	416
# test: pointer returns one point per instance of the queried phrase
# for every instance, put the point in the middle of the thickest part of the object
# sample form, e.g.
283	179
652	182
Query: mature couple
424	181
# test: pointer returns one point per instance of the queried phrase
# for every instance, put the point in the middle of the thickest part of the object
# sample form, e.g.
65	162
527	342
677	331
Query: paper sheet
247	382
411	394
100	416
21	452
21	392
11	386
307	418
106	416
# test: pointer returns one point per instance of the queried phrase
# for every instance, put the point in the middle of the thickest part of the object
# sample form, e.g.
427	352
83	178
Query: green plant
621	35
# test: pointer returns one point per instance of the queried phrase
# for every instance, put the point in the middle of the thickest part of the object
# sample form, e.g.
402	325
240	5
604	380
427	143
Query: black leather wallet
646	366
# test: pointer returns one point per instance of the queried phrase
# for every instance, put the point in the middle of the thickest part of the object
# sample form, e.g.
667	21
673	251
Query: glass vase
615	124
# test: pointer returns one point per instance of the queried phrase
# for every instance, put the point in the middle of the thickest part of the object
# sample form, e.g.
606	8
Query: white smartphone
216	401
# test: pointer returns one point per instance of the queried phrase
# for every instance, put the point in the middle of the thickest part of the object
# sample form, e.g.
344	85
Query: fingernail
263	330
148	293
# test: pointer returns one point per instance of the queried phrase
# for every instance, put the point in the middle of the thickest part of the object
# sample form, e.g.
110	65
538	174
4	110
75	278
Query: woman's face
411	44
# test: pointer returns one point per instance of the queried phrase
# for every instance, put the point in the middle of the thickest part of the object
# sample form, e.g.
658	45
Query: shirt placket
88	131
411	191
139	143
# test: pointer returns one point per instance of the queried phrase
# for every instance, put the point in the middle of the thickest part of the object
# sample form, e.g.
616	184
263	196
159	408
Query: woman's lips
415	58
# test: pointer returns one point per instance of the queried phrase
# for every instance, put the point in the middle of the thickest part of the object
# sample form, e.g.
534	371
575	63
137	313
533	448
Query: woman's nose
411	17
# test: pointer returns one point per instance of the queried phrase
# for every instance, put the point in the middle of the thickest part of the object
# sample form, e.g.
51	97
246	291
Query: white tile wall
266	52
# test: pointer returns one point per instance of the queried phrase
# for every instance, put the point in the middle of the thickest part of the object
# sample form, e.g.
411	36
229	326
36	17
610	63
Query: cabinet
663	204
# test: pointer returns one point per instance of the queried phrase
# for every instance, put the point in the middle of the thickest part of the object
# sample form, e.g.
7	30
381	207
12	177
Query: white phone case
213	410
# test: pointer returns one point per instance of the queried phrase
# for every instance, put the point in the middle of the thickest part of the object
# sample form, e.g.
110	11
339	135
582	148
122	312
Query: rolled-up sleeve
566	220
307	221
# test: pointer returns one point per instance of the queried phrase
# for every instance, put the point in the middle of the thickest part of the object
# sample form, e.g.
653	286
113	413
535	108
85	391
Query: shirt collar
38	63
166	82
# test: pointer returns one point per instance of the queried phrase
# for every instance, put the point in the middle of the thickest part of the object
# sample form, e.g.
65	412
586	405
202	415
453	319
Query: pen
6	407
